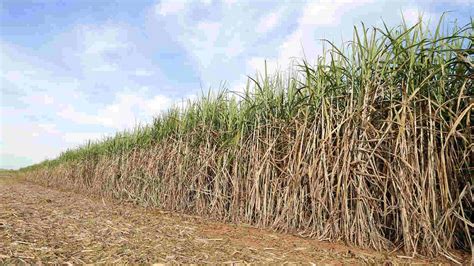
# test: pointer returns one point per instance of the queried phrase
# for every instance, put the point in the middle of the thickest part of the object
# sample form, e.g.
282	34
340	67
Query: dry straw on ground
42	225
371	146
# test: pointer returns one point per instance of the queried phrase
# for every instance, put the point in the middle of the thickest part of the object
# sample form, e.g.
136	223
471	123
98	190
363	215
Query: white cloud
305	40
48	128
203	39
39	98
105	68
47	100
98	40
143	73
458	2
230	2
268	22
126	111
413	14
59	99
170	7
38	84
155	105
12	161
97	48
28	141
324	14
258	64
210	28
216	40
24	144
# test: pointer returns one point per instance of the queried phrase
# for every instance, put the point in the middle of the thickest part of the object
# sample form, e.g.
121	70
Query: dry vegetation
41	225
371	146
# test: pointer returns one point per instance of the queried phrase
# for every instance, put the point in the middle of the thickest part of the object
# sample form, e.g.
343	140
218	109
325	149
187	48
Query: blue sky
78	70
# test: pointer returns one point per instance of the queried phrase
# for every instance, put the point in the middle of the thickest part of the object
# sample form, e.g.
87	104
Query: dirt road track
39	224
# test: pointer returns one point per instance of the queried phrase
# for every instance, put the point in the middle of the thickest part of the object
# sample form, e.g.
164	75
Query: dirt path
42	224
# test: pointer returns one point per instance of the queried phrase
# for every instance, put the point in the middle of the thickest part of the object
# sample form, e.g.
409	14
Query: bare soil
39	224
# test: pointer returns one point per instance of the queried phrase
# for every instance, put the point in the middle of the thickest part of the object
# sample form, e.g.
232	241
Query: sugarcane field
233	132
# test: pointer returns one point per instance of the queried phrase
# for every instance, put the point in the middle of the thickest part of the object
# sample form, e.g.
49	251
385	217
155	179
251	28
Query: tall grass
371	145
